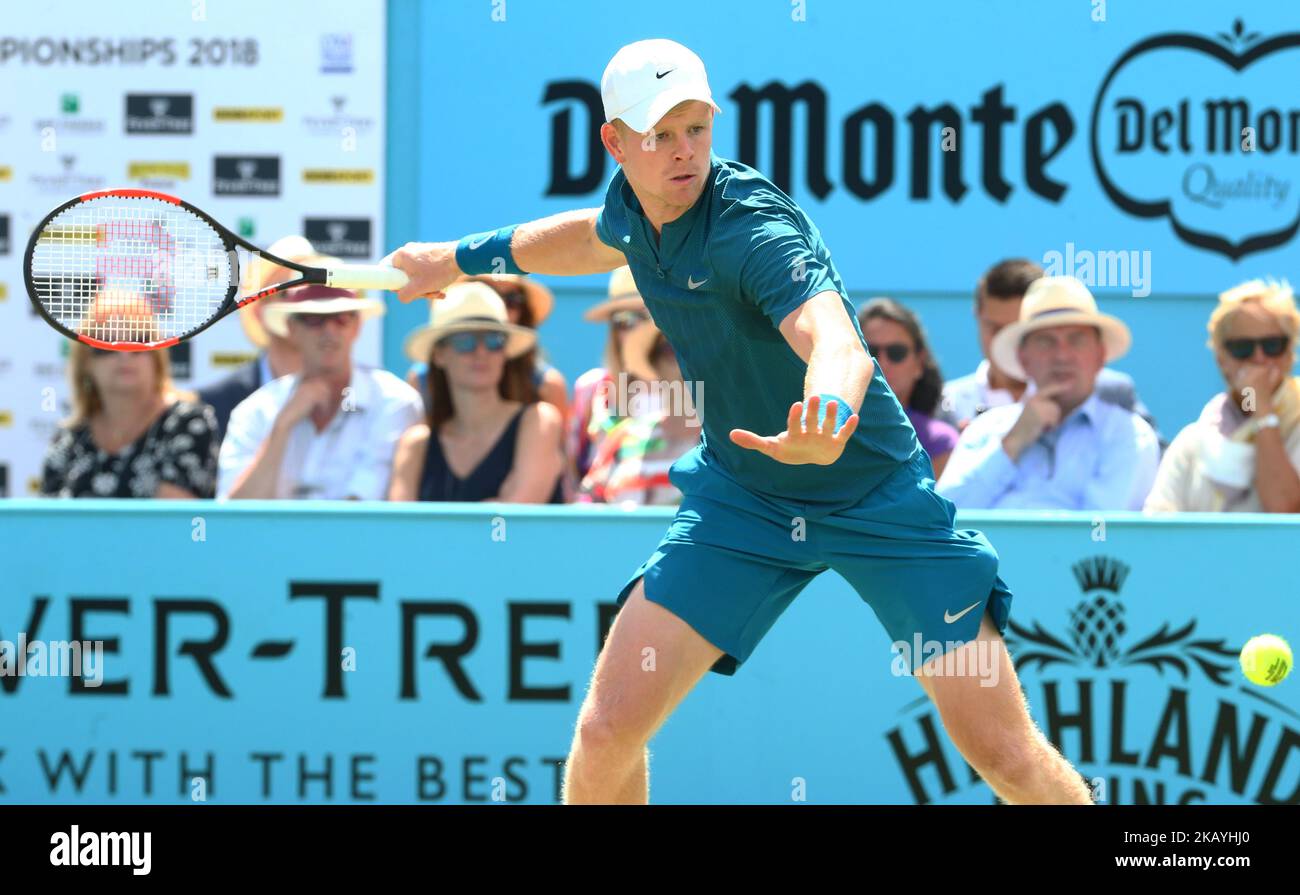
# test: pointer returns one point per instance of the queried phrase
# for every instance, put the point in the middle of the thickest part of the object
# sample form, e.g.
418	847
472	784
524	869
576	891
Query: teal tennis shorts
731	562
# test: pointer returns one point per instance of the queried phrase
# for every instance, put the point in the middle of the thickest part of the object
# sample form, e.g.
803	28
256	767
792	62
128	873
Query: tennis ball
1266	660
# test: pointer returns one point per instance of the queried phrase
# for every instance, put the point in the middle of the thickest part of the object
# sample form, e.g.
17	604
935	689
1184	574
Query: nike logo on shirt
952	618
691	284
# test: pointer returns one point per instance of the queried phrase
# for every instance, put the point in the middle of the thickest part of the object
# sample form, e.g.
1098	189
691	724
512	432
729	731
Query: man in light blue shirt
1062	446
998	295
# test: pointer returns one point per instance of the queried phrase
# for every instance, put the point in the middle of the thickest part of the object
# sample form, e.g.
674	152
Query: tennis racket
135	270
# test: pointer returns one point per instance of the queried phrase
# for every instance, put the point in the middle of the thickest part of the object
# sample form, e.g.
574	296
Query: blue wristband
843	411
487	252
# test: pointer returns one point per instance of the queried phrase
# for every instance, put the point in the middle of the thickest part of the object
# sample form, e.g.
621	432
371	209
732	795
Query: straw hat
468	307
540	299
1056	301
623	296
262	273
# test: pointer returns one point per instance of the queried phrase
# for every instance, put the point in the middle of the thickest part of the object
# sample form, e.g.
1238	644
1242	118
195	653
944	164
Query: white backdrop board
269	116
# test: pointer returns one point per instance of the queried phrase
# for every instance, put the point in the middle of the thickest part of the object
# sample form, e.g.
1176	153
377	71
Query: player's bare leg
632	693
992	729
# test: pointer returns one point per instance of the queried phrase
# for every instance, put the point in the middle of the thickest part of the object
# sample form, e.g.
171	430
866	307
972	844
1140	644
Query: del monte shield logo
1205	131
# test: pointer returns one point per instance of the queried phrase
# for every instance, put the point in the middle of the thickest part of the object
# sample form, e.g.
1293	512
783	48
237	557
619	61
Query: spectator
528	303
1061	446
328	432
897	342
632	462
1242	454
486	437
131	433
997	304
279	357
600	394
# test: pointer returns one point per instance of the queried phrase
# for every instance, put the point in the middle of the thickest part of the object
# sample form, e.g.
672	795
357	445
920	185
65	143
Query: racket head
130	269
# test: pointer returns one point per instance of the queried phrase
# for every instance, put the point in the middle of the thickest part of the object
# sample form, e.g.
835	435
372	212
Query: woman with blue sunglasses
486	437
1243	453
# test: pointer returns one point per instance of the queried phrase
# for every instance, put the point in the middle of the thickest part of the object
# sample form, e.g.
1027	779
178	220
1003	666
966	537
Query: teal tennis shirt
718	282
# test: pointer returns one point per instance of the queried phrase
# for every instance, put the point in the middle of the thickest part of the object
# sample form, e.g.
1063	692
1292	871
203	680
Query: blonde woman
131	434
1243	453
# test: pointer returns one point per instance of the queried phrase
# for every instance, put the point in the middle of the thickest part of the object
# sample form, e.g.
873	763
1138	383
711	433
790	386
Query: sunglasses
316	321
895	352
465	343
1244	349
628	319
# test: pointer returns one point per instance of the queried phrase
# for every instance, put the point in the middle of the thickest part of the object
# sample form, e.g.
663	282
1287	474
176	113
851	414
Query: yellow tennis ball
1266	660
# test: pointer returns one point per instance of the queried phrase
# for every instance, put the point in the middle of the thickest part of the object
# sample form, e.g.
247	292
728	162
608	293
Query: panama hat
1056	301
317	299
262	273
623	296
468	307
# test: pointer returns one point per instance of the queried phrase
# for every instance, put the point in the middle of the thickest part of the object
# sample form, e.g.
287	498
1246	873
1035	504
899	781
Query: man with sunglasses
329	431
806	463
1061	446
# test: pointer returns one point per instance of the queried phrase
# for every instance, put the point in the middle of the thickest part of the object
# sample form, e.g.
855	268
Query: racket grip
366	276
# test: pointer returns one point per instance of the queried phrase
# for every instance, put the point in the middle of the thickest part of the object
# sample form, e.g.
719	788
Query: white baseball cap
646	79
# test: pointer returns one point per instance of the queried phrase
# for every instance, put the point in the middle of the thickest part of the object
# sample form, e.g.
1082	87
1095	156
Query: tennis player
807	460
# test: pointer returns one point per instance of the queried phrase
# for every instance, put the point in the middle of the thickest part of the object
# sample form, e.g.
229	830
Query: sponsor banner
160	113
1168	130
338	175
404	688
246	175
340	237
255	114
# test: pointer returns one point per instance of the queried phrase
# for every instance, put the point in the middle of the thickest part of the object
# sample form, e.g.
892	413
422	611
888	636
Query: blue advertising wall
1070	135
470	633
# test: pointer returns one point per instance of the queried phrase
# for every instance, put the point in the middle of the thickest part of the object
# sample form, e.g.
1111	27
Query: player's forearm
563	245
839	366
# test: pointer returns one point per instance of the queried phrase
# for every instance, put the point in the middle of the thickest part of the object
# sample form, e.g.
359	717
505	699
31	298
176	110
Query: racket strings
130	269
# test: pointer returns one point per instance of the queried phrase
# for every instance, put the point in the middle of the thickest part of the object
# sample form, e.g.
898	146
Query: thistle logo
1159	718
340	237
254	175
160	113
1219	160
68	180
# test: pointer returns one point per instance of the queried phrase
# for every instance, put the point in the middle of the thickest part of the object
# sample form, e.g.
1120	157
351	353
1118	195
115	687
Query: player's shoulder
741	189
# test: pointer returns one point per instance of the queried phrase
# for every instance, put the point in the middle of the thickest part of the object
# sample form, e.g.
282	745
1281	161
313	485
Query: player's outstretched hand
802	442
430	265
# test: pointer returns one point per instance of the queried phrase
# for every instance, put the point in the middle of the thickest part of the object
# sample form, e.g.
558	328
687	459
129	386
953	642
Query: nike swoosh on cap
952	618
661	74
